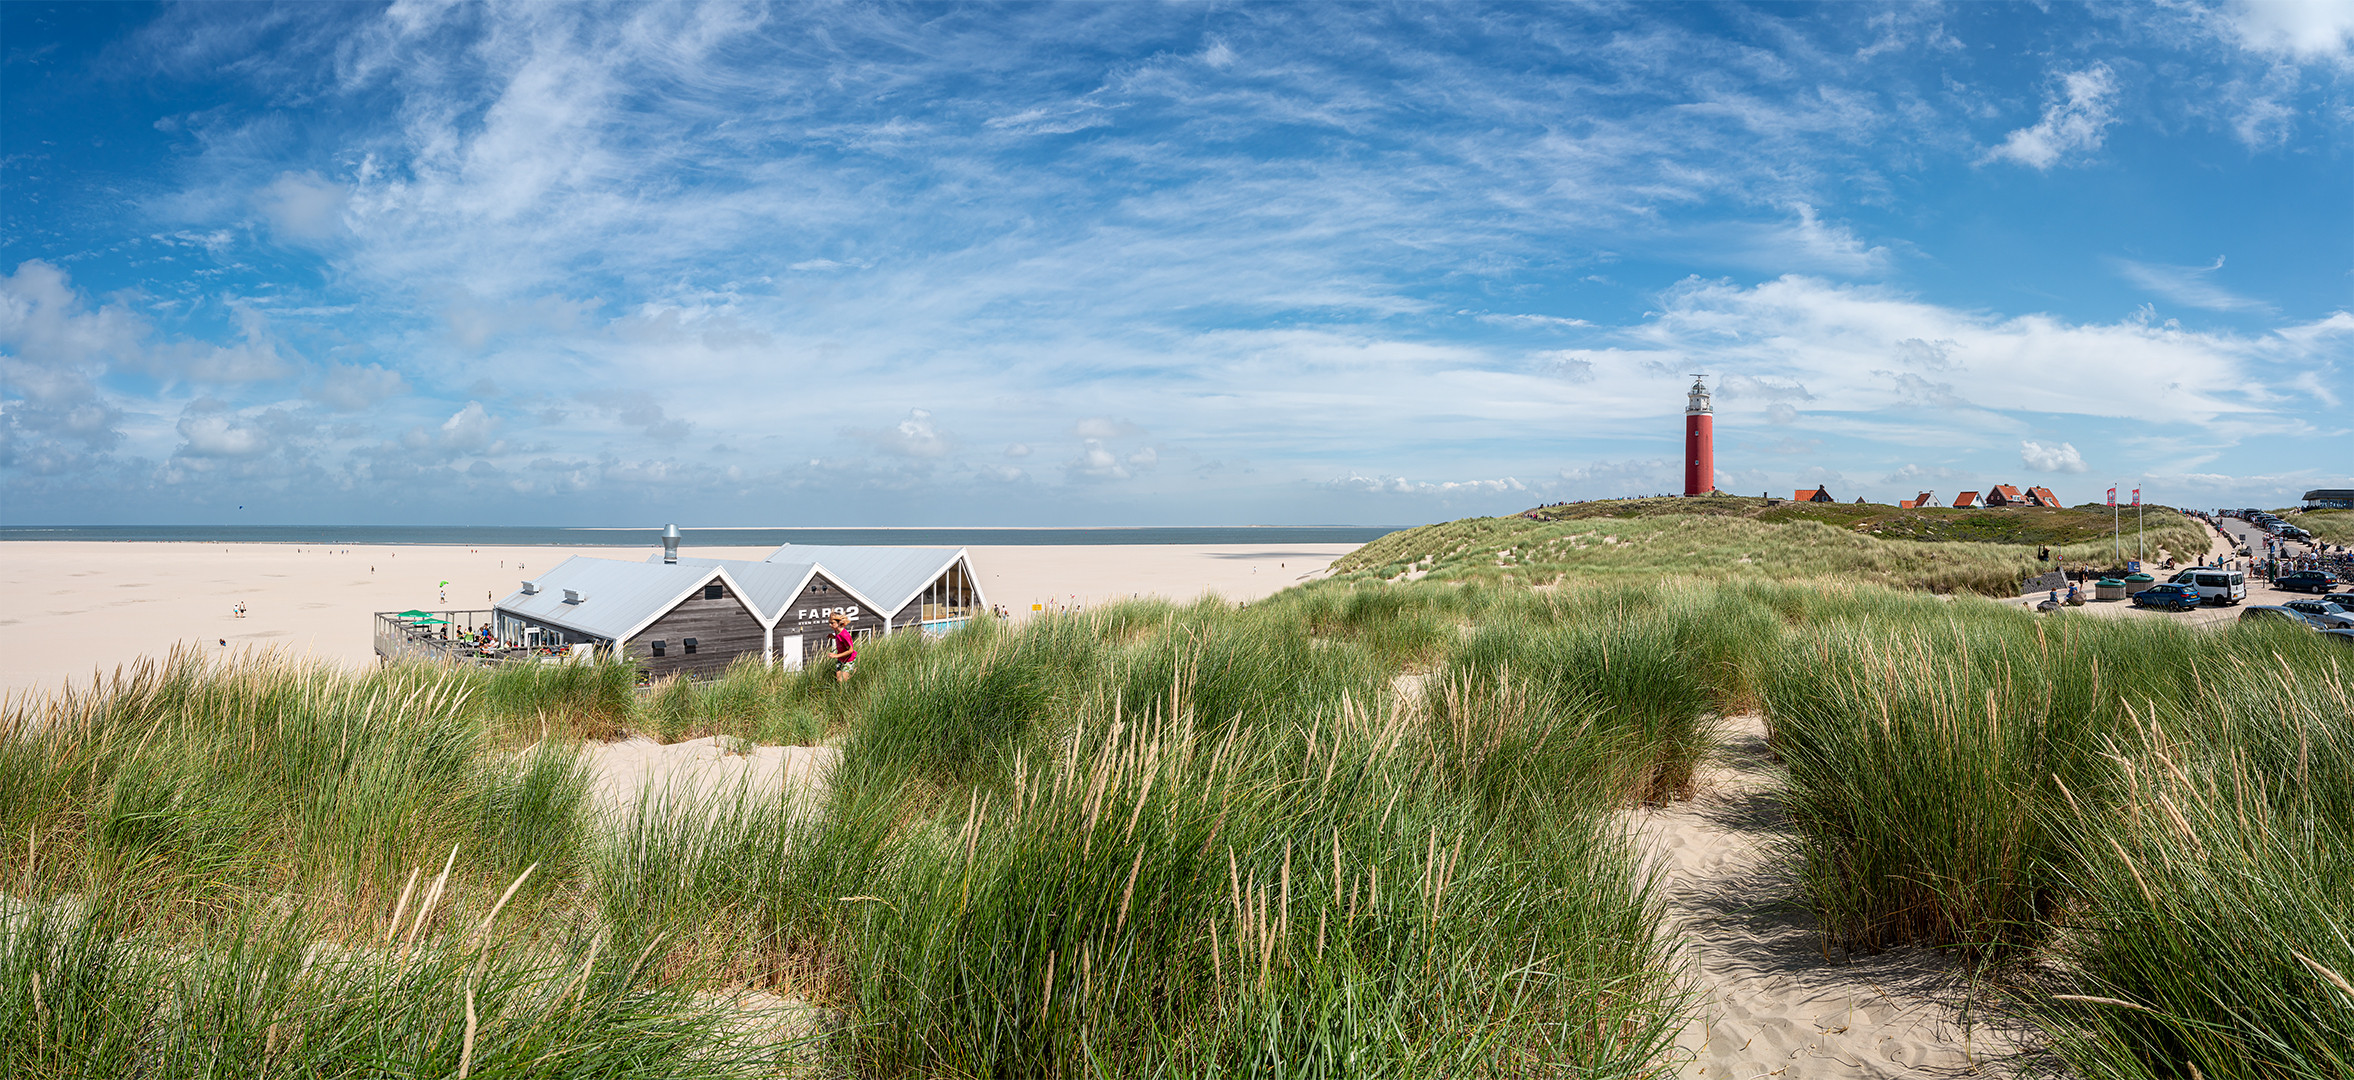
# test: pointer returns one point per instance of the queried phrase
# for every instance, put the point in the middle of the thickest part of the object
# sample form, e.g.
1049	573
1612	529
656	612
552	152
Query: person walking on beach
845	653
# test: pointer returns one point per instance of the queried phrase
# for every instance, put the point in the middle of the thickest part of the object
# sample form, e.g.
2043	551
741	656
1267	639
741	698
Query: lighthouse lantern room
1699	441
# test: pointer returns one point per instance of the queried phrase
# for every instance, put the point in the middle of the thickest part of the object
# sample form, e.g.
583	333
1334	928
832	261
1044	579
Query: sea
541	536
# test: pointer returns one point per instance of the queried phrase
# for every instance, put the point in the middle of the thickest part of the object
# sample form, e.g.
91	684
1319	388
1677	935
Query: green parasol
413	613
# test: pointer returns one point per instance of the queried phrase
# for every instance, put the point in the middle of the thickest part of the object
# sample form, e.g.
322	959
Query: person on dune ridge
845	653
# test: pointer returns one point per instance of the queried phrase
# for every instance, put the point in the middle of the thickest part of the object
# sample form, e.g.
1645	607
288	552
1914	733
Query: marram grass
1358	829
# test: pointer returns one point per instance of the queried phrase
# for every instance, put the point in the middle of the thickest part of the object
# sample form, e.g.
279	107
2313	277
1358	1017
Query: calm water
533	536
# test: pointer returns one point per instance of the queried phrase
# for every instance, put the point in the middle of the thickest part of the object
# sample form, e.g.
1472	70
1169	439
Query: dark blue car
2170	597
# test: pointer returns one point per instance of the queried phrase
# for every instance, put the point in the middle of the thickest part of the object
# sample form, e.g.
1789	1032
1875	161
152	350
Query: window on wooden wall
714	591
661	648
690	643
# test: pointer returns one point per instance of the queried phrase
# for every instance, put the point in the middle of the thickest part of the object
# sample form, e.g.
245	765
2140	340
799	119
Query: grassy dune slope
2327	526
1985	551
1151	840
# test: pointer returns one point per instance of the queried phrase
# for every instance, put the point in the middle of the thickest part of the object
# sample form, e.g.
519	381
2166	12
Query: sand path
1773	1004
711	771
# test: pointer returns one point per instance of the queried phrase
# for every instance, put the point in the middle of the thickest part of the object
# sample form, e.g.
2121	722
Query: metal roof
887	577
619	597
768	587
622	597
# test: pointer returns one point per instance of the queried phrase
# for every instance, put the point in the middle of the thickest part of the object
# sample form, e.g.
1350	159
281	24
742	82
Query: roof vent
574	596
531	588
670	544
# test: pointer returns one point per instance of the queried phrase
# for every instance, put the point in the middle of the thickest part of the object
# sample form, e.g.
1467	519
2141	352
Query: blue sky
1145	264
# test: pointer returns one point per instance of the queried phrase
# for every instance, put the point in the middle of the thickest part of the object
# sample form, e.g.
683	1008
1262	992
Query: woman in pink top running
845	654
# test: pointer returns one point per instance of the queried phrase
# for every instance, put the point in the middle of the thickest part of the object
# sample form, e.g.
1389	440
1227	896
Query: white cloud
302	207
2050	457
1017	450
2073	122
1399	485
914	436
352	387
1528	322
46	323
1799	335
212	430
2192	286
470	428
2305	29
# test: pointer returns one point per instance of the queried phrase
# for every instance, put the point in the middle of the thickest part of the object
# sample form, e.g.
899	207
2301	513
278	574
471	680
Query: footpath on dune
1772	1003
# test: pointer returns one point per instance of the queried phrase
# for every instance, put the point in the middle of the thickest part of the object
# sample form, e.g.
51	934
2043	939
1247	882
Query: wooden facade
700	636
804	635
647	615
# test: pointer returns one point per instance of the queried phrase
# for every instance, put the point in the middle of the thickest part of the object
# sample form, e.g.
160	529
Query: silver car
2276	612
2323	614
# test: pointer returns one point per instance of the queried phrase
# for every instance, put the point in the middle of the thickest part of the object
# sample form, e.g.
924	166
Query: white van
2215	586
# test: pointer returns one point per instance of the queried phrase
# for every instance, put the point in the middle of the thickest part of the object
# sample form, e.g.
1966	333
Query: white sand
710	771
76	607
1772	1004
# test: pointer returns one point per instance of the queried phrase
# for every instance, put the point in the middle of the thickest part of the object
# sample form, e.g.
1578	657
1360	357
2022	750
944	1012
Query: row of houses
1999	495
675	615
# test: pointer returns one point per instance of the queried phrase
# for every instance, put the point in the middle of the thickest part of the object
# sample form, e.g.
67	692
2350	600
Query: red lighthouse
1699	442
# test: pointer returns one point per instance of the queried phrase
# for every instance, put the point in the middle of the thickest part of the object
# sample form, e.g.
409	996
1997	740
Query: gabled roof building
2005	495
681	615
1969	500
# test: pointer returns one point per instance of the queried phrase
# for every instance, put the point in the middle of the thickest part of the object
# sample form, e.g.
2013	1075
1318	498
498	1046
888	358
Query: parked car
2342	599
2323	614
2171	597
2342	637
2215	585
2312	581
2275	612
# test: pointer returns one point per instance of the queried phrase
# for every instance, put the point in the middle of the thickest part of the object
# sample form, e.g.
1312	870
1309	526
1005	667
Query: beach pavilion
680	615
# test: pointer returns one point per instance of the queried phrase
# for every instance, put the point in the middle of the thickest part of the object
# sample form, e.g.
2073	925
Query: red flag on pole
2112	496
2137	496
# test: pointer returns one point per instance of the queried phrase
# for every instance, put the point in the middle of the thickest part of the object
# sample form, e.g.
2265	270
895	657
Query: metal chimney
670	544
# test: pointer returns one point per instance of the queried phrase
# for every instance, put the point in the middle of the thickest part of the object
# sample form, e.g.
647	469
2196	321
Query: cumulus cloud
1095	462
1400	485
212	431
302	207
1927	355
916	436
46	323
1567	366
1017	450
656	422
470	428
2074	121
2304	29
2050	457
351	387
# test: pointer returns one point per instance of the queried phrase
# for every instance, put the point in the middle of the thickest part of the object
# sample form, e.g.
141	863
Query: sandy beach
79	607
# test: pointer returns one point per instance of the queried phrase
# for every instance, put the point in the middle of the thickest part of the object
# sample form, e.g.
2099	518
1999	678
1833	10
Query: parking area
2238	535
